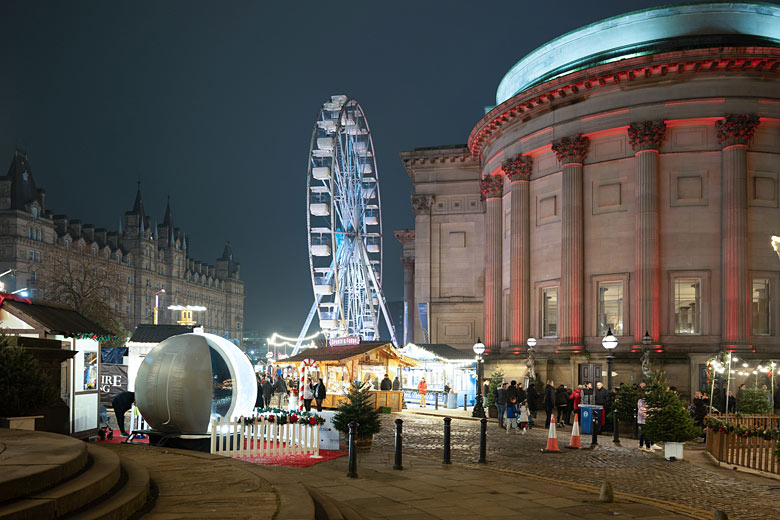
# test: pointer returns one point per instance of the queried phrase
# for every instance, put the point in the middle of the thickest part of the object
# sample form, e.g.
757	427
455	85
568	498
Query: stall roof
146	333
54	318
344	353
446	352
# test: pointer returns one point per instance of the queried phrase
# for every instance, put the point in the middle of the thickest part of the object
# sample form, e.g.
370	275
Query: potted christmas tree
668	421
24	388
496	378
358	407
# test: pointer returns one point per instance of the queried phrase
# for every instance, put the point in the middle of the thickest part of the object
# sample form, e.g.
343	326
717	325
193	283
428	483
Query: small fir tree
358	408
24	388
754	401
626	400
496	378
667	418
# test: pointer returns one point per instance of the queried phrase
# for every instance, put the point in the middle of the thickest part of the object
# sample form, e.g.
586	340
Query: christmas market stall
449	374
338	366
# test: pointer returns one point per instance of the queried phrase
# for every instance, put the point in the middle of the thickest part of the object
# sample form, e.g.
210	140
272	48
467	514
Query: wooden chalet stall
339	366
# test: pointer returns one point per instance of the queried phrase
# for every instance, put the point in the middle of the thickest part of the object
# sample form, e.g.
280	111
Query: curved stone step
33	461
101	475
123	502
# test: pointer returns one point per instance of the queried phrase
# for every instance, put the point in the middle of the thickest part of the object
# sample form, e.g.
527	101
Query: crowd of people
276	389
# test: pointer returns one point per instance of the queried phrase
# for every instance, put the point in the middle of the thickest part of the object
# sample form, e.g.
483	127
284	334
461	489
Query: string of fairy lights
277	341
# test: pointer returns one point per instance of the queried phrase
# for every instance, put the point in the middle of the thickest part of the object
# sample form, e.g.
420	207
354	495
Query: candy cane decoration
308	362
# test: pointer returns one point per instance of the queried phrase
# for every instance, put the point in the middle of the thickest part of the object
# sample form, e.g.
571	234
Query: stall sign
113	379
344	342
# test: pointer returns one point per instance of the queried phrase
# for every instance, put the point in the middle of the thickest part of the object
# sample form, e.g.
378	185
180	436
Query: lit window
610	308
550	312
759	314
687	306
35	212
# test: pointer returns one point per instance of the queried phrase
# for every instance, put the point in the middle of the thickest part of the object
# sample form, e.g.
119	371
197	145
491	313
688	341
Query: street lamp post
610	342
479	349
157	304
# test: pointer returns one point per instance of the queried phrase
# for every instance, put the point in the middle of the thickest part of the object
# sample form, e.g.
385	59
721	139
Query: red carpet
117	439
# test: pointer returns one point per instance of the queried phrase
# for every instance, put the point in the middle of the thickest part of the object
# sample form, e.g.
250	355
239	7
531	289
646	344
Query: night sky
213	104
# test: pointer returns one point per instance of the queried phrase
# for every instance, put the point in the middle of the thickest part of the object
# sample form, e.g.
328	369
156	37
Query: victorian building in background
626	180
124	268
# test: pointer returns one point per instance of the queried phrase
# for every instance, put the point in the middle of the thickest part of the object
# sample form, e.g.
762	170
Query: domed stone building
625	181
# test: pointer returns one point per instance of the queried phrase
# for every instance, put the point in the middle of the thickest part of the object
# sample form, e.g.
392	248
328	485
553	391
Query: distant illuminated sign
346	341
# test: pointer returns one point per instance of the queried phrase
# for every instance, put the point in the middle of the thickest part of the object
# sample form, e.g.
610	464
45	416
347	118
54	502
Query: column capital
646	135
736	129
572	149
421	204
518	168
492	186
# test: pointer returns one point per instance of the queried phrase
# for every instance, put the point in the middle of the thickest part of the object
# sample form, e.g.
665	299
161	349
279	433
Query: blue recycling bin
452	400
587	411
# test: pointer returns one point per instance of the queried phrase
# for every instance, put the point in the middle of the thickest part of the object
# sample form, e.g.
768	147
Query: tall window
550	312
610	308
760	308
687	306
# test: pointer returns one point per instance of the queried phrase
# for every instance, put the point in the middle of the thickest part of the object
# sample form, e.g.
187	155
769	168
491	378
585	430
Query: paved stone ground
629	469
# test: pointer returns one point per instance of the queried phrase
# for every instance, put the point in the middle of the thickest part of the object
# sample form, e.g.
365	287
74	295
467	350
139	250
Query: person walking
386	384
319	394
561	404
549	401
281	389
641	419
259	400
533	400
422	388
268	390
511	417
308	394
396	384
522	416
501	403
121	403
601	398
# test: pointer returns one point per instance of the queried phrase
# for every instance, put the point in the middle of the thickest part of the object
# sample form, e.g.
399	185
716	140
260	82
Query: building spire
138	206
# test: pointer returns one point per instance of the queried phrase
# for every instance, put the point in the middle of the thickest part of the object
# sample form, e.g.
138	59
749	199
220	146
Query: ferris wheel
344	221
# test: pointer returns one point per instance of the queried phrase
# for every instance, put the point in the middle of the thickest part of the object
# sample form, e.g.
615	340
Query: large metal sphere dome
650	31
187	380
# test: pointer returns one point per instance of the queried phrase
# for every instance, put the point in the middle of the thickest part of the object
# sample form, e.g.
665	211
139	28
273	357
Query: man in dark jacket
533	399
259	401
396	383
562	405
521	394
386	384
281	389
511	393
121	403
319	394
268	390
601	398
549	401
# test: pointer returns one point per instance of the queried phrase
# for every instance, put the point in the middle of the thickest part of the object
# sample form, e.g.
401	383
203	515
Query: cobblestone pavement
629	469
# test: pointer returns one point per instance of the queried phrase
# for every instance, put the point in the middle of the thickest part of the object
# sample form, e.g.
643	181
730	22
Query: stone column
571	152
421	204
734	133
518	171
493	191
646	138
408	264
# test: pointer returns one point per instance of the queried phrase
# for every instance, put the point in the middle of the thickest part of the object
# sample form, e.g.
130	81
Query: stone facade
134	262
639	194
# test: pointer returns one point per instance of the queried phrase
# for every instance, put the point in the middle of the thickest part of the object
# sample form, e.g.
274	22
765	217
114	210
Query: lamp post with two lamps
479	349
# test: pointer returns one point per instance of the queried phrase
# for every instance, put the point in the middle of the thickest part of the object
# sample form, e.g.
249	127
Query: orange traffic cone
552	439
574	443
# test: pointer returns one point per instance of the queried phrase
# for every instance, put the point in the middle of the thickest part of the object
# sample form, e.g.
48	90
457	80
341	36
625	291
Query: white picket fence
263	438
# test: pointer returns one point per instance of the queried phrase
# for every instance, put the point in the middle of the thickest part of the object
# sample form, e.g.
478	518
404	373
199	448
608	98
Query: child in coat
522	416
511	417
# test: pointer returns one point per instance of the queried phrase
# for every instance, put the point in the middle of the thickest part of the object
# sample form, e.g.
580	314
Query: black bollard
399	425
615	421
482	442
594	426
447	426
436	400
636	426
352	469
465	402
